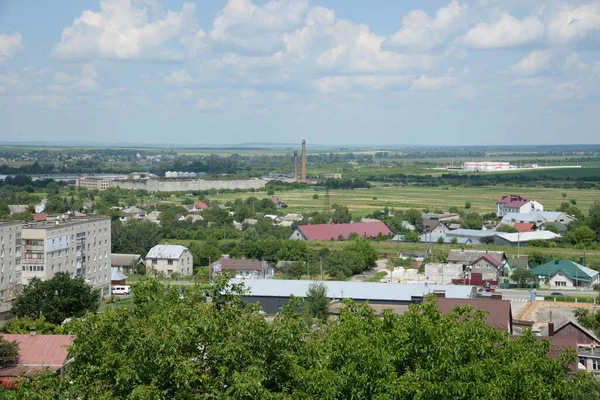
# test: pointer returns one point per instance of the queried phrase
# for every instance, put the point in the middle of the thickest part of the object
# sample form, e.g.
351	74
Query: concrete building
522	238
168	259
243	267
185	185
539	218
81	247
90	182
10	260
332	175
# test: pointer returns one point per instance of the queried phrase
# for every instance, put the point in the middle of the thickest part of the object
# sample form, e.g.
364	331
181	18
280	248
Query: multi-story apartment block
10	260
92	182
80	247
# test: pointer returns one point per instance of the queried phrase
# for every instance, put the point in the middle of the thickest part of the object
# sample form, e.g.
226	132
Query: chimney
581	261
550	328
440	293
32	331
295	166
556	262
303	161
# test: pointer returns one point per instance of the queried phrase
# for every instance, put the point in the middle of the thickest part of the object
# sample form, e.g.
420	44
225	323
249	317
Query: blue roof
354	290
471	233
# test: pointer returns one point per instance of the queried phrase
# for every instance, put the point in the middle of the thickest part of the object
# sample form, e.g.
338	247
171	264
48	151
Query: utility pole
321	259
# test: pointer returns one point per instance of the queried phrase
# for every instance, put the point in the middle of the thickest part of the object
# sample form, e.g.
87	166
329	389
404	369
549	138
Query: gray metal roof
477	233
355	290
468	256
116	275
124	259
166	251
527	236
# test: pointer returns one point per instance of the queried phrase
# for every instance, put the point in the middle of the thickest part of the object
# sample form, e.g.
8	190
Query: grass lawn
118	303
364	201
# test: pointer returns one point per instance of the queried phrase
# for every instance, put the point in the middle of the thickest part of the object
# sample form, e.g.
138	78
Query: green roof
570	268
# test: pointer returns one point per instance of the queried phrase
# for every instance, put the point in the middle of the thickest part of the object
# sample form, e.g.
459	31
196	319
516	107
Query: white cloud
205	104
247	93
466	91
10	45
574	65
420	32
532	63
88	80
179	77
332	84
430	83
507	31
63	78
244	27
568	90
575	23
124	30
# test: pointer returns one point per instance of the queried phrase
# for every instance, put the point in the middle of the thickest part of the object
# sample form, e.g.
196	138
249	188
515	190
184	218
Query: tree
584	234
467	205
415	218
453	240
505	228
168	348
9	352
412	237
523	277
341	214
440	240
471	221
56	299
294	269
316	303
24	325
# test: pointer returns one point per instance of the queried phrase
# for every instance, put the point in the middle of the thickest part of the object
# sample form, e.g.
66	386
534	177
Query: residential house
153	216
292	217
243	267
407	226
190	208
516	204
117	278
273	217
446	217
168	259
435	237
37	354
498	311
566	274
522	238
125	262
476	235
340	231
200	205
435	226
415	255
524	226
558	226
132	213
278	202
191	217
488	265
17	208
587	343
250	221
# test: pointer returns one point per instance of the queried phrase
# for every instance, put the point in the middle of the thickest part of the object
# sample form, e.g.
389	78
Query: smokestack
295	166
303	161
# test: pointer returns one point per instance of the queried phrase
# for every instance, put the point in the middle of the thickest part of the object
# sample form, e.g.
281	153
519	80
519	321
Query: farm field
362	202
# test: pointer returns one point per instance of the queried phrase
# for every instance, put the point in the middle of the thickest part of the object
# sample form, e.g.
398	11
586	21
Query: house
243	267
191	217
435	237
17	208
467	257
489	267
435	226
340	231
37	353
407	226
478	265
498	312
292	217
190	208
124	262
273	294
273	217
522	238
117	278
415	255
200	205
132	213
446	217
516	204
168	259
40	216
539	218
524	226
250	221
278	202
154	216
586	341
476	235
566	274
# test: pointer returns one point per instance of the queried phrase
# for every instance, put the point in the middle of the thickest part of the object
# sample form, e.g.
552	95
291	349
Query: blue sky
378	72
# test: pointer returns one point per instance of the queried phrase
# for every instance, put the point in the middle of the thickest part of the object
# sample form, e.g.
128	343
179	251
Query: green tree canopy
56	299
316	303
9	352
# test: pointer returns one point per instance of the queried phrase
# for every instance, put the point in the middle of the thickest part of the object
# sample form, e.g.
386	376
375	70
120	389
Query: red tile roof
489	259
524	226
509	198
37	352
516	203
499	311
201	205
335	231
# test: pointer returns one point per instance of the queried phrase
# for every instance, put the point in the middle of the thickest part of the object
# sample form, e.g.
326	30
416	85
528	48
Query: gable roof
132	210
116	275
570	268
506	199
516	203
535	215
201	205
524	226
477	233
468	256
334	231
166	251
239	264
527	236
489	259
499	312
17	208
37	352
585	331
431	224
124	259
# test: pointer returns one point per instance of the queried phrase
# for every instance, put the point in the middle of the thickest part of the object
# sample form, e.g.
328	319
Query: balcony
35	261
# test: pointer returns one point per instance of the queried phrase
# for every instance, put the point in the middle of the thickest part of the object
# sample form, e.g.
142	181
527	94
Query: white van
121	290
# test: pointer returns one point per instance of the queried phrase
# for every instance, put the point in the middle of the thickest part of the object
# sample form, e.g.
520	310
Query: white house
167	259
516	204
539	218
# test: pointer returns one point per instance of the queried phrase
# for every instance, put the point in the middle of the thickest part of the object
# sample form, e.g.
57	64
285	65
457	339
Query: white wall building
81	247
167	259
485	166
10	260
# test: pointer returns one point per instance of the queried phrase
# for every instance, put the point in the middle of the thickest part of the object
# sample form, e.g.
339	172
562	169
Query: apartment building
10	260
80	247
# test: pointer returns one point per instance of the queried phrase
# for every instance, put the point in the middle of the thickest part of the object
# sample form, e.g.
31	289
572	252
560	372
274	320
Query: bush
315	196
571	299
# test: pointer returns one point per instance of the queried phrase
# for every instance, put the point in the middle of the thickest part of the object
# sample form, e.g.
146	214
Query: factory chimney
303	161
295	166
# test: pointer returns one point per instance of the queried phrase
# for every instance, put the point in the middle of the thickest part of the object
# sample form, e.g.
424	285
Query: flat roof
51	222
355	290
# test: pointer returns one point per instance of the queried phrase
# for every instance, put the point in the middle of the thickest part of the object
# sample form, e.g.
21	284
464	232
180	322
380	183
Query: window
154	261
170	262
560	283
596	364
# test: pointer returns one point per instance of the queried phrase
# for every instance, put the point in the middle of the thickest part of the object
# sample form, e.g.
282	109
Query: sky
333	72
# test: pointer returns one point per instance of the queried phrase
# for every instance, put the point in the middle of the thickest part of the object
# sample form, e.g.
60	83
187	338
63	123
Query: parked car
557	294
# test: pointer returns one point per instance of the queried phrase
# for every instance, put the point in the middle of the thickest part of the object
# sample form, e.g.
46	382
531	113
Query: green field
364	201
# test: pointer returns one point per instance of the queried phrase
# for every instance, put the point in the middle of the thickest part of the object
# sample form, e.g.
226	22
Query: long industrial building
184	185
81	247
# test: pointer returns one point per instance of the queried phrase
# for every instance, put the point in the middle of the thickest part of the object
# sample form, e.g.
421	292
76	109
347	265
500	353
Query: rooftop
499	312
334	231
471	232
570	268
527	236
37	352
124	259
166	251
373	291
469	256
52	221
